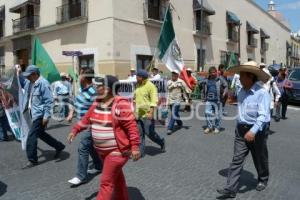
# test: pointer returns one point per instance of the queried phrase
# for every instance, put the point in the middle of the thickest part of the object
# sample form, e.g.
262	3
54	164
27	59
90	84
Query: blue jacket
41	101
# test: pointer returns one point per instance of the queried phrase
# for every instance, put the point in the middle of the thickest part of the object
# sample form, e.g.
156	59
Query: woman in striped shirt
115	136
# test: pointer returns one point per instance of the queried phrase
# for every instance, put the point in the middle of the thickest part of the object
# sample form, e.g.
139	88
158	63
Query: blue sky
290	10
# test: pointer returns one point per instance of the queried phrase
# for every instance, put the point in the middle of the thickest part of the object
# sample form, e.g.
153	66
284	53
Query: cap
108	81
132	69
31	69
175	71
189	69
142	73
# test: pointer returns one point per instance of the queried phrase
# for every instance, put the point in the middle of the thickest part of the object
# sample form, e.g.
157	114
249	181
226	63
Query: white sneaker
207	131
217	131
75	181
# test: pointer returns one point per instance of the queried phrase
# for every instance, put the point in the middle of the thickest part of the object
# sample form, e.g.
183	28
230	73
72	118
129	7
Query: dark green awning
264	34
232	18
251	28
205	7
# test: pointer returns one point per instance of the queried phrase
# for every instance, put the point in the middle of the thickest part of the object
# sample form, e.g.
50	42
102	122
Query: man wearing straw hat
250	133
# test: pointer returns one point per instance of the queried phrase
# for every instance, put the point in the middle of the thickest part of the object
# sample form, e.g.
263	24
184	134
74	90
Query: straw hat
253	68
63	74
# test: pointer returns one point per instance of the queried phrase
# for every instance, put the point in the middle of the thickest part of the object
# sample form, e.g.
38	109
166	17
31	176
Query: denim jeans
147	127
37	131
4	127
84	150
174	116
213	110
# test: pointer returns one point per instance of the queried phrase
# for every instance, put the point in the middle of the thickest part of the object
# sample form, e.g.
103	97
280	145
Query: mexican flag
168	49
43	61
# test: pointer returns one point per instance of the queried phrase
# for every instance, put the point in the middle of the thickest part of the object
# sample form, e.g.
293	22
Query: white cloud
290	6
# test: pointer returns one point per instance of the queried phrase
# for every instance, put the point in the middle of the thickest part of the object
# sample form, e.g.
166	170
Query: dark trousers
37	131
147	127
4	127
84	150
259	151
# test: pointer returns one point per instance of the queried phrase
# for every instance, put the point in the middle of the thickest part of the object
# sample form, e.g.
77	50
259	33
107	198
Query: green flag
72	73
42	60
233	61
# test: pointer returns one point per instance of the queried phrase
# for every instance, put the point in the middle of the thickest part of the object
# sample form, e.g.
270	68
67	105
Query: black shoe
58	152
30	164
284	118
163	146
277	119
226	193
261	186
5	139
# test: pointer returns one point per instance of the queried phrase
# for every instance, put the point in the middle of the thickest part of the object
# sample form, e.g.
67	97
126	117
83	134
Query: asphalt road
192	168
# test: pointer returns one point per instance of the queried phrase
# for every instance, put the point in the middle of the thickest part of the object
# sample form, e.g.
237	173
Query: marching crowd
112	129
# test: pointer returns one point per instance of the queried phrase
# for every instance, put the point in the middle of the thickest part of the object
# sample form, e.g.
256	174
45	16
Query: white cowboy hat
189	69
132	69
253	68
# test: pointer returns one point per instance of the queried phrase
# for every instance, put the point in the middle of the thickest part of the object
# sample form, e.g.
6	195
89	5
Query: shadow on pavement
49	155
134	194
3	188
55	126
152	151
92	196
247	181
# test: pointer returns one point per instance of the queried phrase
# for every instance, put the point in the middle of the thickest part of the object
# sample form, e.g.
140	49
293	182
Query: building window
226	56
200	59
86	61
143	61
156	9
205	27
223	59
232	33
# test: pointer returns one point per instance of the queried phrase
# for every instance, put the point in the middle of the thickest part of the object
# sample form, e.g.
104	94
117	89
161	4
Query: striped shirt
102	131
84	100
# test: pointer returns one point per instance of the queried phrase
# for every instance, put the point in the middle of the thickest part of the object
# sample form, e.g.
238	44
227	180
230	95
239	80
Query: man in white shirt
132	75
62	93
155	74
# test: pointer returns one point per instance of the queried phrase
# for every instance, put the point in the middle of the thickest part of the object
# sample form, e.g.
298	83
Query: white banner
11	96
127	88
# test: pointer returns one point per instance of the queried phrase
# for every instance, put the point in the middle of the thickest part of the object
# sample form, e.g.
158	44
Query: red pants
112	181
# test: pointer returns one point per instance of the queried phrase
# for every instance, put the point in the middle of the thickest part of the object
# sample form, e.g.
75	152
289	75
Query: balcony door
74	8
153	9
30	17
142	61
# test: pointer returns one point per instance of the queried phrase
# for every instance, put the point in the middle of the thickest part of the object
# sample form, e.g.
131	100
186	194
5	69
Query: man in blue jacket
37	103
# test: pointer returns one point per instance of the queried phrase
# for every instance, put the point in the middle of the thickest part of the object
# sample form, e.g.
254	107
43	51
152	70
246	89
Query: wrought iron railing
252	42
264	46
26	23
205	28
233	36
69	12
